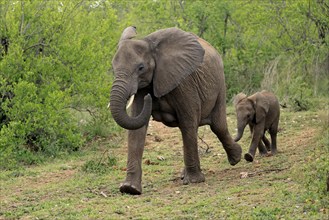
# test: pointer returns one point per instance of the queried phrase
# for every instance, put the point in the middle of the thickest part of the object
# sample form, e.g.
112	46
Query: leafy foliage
54	67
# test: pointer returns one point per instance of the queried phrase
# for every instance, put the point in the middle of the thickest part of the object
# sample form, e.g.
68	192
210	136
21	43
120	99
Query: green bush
38	124
300	95
53	67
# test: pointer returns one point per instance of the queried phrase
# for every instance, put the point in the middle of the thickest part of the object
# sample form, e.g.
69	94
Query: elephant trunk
240	132
118	101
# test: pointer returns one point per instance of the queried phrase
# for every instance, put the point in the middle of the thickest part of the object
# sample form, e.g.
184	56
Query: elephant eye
140	67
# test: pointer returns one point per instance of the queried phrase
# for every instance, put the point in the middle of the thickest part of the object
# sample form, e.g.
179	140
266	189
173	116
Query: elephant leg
256	138
232	149
262	149
273	133
136	141
266	142
133	182
192	170
251	127
219	127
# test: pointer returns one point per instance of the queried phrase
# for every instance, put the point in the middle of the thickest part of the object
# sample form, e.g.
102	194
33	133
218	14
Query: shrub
55	63
38	124
300	95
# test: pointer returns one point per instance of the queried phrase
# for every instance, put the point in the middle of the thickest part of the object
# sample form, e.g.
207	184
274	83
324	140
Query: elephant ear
261	106
128	33
238	98
177	54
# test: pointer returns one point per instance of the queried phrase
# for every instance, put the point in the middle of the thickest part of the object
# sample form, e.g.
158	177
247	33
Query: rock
243	175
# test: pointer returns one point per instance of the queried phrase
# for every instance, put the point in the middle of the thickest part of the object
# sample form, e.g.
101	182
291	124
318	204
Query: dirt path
269	188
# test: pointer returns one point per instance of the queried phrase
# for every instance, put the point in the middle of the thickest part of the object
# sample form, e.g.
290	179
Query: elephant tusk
130	101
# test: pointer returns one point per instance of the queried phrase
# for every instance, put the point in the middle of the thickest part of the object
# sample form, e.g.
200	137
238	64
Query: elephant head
160	61
249	110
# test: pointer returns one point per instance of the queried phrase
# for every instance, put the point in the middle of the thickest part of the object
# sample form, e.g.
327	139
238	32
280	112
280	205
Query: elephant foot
262	150
248	157
274	151
192	177
234	154
268	148
131	189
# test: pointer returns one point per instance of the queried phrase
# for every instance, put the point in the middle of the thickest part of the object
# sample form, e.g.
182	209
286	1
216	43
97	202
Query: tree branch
35	45
22	19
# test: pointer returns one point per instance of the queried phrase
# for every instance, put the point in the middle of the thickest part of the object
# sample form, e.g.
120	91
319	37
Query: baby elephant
261	111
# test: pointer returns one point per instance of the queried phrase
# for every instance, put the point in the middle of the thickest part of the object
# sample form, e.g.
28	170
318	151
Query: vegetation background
55	64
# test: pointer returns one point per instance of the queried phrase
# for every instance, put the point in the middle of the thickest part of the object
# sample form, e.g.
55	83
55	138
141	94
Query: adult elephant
177	78
261	111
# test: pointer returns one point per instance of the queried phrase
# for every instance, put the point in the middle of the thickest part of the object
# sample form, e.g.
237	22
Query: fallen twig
251	174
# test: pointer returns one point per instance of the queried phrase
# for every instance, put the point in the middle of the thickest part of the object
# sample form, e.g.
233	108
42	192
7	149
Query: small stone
160	158
243	175
157	138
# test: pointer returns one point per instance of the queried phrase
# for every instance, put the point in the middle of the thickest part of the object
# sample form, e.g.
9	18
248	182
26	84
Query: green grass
290	185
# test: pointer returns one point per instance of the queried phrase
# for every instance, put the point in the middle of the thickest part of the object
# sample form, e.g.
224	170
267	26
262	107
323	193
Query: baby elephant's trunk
240	133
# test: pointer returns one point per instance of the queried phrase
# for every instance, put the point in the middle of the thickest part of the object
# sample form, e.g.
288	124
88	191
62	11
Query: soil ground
275	187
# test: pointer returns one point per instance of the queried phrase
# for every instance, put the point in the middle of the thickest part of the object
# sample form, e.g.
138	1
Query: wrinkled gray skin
261	111
177	78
